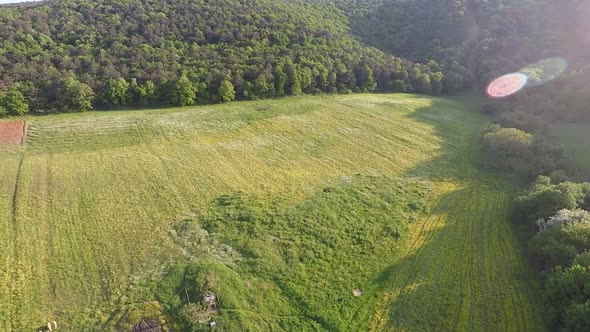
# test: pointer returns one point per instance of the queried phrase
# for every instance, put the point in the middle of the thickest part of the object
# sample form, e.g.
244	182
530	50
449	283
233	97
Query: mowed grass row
99	192
9	166
463	271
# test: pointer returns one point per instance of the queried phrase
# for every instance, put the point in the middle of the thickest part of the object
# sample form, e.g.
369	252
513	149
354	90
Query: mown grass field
301	200
573	136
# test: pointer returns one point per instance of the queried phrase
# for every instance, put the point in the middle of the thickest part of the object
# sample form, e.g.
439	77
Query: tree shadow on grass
456	124
430	283
415	307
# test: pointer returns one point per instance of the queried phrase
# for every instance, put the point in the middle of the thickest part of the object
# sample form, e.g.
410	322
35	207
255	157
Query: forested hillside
66	55
70	55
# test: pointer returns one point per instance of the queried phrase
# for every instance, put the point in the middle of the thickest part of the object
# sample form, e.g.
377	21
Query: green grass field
292	204
571	135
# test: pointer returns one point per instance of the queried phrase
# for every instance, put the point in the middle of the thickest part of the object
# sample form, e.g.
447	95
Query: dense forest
65	55
72	55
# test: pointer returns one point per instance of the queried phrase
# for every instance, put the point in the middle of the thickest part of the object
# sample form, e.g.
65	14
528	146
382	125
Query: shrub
514	150
509	148
546	199
559	246
13	103
583	259
567	298
564	218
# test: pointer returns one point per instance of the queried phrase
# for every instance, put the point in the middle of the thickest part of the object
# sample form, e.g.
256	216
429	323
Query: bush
544	203
514	150
510	148
564	218
13	103
583	259
559	247
567	298
546	199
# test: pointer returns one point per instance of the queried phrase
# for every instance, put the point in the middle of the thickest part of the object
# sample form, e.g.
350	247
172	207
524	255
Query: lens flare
544	71
507	85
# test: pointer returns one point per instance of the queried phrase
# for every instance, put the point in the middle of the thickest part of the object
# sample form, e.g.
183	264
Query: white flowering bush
564	218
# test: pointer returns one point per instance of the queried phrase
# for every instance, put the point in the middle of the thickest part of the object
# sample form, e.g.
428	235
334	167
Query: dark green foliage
259	89
296	47
559	247
567	298
420	30
515	36
583	259
514	150
365	79
510	148
565	248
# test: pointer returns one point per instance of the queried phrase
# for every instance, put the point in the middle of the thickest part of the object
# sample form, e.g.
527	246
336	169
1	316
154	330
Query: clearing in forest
295	202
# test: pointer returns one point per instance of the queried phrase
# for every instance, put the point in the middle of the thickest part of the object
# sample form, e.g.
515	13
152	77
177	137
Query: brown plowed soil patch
12	132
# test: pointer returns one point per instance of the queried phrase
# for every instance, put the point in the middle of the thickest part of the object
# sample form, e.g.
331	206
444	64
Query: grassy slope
98	192
575	137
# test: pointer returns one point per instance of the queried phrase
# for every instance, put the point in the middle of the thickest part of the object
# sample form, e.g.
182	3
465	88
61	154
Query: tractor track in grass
13	203
14	289
474	215
426	234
